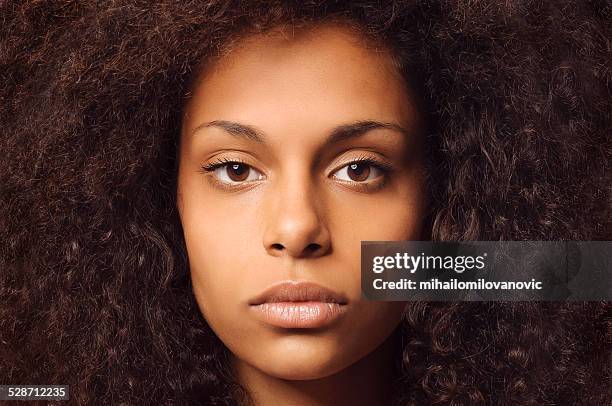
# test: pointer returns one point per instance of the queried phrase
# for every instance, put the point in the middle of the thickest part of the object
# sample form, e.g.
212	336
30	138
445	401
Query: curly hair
94	275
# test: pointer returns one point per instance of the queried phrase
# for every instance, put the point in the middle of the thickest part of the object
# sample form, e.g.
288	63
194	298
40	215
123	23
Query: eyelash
384	167
212	166
373	185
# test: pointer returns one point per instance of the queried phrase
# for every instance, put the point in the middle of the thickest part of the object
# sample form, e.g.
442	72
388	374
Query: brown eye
237	172
232	172
358	171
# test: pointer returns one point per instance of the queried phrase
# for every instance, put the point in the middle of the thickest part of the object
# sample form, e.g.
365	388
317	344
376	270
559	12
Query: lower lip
299	314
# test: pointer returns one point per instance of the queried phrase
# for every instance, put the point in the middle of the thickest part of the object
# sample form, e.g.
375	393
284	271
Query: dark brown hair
94	282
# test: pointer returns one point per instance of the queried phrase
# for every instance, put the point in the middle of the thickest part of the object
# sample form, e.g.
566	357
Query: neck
368	381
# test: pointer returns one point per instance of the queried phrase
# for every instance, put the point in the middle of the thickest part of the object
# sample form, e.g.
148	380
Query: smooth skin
295	147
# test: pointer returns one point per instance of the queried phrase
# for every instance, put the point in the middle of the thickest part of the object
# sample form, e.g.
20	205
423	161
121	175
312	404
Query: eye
359	171
233	172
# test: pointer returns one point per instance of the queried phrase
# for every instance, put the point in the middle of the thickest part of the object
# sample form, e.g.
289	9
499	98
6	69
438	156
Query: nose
295	226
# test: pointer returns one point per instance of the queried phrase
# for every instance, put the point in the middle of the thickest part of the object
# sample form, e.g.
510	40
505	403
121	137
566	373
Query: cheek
393	217
219	251
218	262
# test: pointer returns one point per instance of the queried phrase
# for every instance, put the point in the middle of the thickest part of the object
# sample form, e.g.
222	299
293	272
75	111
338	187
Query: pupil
238	172
358	172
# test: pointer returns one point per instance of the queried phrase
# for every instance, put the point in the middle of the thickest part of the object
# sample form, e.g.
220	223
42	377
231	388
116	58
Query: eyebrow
340	133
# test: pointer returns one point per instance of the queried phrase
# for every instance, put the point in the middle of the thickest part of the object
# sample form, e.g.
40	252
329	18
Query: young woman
186	187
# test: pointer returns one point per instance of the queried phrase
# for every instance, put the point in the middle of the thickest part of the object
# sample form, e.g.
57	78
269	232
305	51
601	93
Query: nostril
311	248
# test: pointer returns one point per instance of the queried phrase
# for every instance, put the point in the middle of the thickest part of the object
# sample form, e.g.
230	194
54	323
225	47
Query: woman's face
294	149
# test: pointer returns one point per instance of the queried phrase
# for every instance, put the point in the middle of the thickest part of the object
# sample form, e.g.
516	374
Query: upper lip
297	291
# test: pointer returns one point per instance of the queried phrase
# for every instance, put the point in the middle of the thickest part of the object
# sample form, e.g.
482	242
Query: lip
296	304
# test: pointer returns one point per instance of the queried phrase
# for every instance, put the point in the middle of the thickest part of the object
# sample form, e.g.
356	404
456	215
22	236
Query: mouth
294	304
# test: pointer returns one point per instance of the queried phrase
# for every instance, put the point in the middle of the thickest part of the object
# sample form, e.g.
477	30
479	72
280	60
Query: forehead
318	77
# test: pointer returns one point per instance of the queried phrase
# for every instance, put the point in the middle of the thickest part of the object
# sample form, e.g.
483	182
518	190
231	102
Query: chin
304	371
297	359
